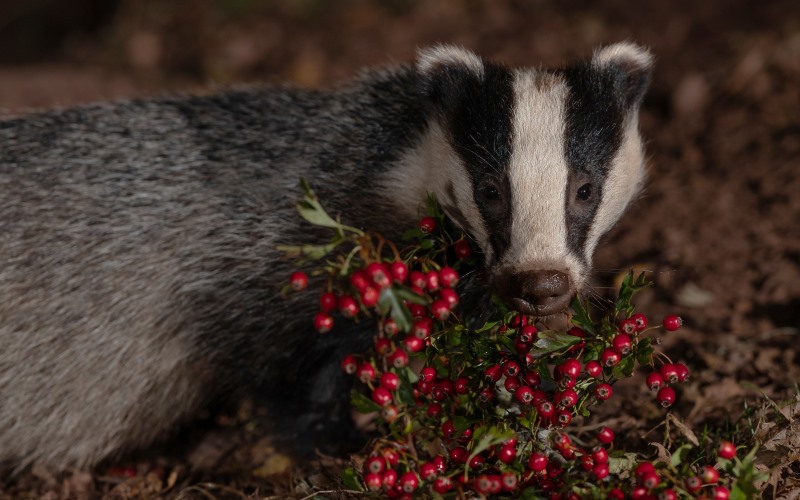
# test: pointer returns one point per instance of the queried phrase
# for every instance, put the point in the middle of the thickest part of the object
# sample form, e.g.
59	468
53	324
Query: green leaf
679	455
362	403
489	436
389	302
644	352
550	341
412	234
625	367
350	479
581	317
311	210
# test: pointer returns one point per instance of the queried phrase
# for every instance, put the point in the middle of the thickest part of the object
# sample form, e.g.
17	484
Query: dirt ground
718	223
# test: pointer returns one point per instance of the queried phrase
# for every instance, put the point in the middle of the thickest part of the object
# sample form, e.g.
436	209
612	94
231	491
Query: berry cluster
489	402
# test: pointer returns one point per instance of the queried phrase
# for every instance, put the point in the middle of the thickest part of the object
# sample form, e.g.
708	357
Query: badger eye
490	193
584	192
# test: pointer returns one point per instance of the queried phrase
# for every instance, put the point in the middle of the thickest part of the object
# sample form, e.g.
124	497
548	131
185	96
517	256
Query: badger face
535	165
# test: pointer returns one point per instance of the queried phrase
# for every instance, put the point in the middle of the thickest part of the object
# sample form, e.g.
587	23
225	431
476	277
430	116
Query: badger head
534	165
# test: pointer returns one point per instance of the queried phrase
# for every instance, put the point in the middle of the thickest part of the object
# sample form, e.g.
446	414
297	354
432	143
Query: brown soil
718	224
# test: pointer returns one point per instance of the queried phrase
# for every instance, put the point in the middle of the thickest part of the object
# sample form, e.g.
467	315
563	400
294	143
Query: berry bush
470	398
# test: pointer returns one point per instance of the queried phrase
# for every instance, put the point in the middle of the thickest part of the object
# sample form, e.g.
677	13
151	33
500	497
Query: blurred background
718	225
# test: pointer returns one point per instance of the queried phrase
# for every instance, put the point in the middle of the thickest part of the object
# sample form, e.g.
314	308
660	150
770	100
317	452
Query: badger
139	269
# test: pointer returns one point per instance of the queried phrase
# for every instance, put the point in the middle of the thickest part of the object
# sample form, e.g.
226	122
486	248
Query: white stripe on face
624	180
538	174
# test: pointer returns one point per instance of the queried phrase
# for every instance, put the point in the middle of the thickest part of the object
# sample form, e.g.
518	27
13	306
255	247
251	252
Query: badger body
140	273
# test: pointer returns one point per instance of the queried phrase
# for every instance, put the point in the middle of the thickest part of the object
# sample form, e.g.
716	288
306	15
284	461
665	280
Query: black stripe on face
480	127
594	126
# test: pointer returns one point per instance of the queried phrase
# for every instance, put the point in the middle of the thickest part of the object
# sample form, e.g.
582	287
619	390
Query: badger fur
139	274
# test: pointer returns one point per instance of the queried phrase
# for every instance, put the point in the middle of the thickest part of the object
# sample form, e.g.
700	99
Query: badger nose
541	292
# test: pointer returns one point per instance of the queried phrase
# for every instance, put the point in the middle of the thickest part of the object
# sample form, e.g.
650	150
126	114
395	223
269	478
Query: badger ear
629	67
443	71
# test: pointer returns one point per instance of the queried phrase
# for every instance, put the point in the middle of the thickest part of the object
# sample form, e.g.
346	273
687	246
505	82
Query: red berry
383	347
323	322
727	450
532	378
638	492
522	347
398	358
448	429
379	274
391	455
509	481
563	417
389	478
442	485
566	398
642	469
382	396
683	372
594	369
605	435
623	343
721	493
512	384
693	484
448	277
524	395
476	462
438	461
668	494
398	270
546	409
603	391
510	369
527	334
493	373
434	410
567	383
369	296
709	475
409	482
417	279
373	481
449	296
600	470
507	454
389	413
327	302
569	368
669	372
432	280
599	455
459	454
666	396
350	364
366	373
298	280
359	280
627	326
390	381
615	494
421	328
440	309
672	323
427	225
461	385
537	462
427	471
654	381
390	328
483	484
640	320
428	374
650	480
413	344
462	249
348	306
487	394
375	465
610	357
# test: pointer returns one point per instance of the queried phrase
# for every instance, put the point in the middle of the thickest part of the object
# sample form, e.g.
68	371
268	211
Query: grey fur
139	274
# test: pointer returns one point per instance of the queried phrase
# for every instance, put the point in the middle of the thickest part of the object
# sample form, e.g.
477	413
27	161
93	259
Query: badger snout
540	293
